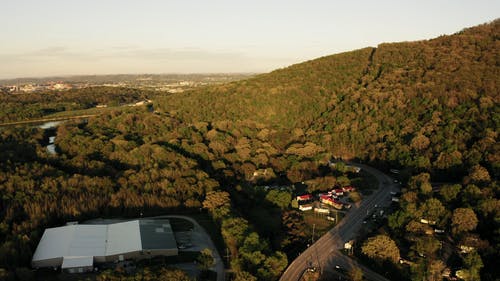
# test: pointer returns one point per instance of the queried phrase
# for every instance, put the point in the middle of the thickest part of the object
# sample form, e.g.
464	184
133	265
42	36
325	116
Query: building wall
146	254
126	256
55	262
165	252
79	269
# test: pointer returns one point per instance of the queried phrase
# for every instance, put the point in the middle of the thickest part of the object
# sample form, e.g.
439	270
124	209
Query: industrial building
78	247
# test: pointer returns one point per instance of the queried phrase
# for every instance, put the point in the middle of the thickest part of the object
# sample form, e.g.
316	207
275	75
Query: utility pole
312	237
227	256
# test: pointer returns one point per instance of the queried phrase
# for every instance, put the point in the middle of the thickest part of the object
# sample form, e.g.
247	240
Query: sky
49	37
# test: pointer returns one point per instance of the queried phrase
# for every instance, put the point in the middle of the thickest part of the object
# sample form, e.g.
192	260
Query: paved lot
201	240
198	238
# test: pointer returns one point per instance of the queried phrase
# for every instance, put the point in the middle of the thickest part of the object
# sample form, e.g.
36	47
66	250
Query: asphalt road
49	119
325	252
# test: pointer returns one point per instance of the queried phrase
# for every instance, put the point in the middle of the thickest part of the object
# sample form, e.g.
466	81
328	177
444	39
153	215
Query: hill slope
431	107
288	97
426	104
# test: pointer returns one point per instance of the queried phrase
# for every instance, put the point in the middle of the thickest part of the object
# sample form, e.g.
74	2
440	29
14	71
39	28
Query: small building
349	244
348	189
305	197
332	202
306	207
426	221
77	247
338	192
322	211
437	230
324	197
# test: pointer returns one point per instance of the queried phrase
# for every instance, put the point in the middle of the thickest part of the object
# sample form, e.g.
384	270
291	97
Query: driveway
201	240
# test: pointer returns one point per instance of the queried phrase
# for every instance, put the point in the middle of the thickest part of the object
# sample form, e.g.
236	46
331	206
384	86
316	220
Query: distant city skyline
61	38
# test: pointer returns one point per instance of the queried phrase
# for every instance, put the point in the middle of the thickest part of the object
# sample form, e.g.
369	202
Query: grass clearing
319	222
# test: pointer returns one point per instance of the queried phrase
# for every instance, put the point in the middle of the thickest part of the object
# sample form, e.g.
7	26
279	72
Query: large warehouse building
76	248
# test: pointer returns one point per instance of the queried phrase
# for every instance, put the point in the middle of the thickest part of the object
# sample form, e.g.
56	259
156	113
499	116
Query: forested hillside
429	104
293	96
19	107
429	108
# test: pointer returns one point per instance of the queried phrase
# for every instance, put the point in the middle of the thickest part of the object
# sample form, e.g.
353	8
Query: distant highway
50	119
325	253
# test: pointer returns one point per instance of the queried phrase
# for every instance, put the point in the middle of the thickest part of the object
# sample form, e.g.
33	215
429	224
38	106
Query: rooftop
79	243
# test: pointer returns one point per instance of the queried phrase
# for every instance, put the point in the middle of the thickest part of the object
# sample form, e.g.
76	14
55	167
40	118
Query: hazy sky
42	38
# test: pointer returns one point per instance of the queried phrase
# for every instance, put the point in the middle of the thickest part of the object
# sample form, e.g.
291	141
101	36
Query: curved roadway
325	253
202	235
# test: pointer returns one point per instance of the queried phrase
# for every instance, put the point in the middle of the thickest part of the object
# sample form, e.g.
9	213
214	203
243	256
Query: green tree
398	220
171	274
435	270
432	209
421	182
293	226
252	250
205	259
450	192
234	231
218	204
244	276
463	219
381	247
427	246
479	174
281	199
273	266
474	264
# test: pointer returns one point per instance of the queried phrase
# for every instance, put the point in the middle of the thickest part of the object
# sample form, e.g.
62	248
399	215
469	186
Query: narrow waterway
50	127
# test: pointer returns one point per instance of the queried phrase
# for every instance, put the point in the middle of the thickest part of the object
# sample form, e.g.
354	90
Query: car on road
311	269
340	269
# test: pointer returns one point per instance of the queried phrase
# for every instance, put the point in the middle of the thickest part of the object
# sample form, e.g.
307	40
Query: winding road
48	119
325	252
200	236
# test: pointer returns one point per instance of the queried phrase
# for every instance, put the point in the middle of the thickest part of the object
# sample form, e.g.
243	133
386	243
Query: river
50	126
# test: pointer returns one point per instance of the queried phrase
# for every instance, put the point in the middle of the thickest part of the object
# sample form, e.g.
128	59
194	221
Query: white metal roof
83	240
55	243
123	237
88	240
77	245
